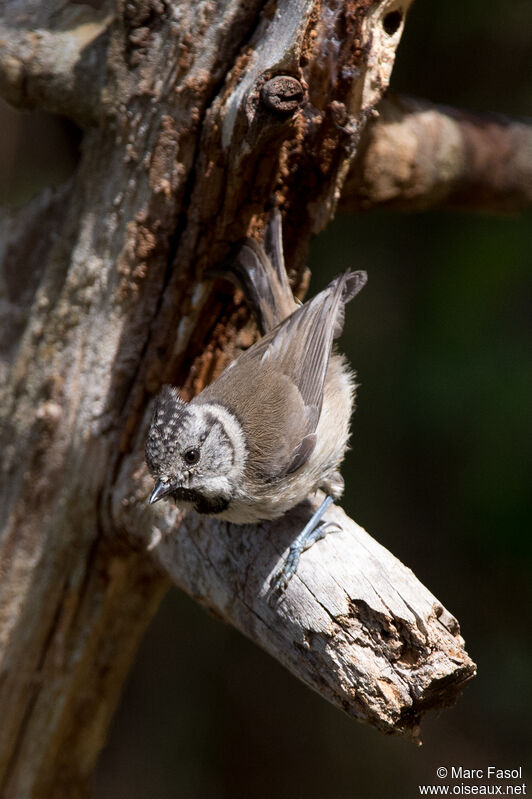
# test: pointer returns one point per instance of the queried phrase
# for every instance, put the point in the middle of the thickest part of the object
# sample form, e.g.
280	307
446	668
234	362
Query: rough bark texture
415	155
187	145
354	623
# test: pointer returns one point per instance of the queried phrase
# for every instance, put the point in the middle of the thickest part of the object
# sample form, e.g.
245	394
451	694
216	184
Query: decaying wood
187	146
415	155
354	623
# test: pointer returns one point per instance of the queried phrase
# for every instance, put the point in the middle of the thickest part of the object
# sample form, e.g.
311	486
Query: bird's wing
300	346
294	356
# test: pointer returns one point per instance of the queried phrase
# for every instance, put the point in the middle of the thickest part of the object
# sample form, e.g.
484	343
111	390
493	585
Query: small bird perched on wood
274	426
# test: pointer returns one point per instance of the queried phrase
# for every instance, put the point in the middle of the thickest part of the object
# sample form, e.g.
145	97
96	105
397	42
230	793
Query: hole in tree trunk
391	22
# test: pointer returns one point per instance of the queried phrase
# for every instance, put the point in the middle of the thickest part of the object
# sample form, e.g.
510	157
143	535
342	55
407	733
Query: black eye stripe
213	421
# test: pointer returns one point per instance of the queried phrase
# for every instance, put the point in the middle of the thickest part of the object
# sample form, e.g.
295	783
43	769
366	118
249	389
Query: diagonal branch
416	155
354	623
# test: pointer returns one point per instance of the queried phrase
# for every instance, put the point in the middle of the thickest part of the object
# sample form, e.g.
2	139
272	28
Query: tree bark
189	139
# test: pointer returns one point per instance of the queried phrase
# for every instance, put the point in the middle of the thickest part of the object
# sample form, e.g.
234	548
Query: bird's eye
191	456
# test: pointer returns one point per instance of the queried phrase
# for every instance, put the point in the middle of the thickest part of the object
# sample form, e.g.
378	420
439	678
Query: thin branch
416	156
354	623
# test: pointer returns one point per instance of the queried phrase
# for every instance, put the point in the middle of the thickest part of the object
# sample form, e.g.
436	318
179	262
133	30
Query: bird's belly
270	501
239	512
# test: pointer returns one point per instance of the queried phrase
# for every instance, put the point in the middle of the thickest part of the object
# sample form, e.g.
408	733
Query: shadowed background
439	473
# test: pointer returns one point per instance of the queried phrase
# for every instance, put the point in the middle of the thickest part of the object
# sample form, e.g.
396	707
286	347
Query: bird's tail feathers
260	272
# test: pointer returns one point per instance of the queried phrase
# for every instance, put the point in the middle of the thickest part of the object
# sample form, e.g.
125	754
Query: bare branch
417	156
354	623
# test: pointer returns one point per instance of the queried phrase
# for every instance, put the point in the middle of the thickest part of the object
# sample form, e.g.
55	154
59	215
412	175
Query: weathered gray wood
354	623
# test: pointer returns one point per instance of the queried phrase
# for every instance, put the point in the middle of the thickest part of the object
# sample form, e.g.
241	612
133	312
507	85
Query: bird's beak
161	490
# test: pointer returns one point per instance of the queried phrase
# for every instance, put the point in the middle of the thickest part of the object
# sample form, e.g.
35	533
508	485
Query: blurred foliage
439	472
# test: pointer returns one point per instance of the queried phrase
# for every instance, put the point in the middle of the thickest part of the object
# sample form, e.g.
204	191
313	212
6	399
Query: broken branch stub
354	623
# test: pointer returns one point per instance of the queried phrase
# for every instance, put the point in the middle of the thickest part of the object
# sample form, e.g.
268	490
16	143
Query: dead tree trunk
197	117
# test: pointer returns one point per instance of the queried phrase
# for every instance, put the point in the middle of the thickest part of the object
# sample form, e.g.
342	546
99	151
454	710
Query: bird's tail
260	272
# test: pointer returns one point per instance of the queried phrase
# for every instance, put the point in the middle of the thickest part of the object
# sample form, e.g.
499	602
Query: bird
274	426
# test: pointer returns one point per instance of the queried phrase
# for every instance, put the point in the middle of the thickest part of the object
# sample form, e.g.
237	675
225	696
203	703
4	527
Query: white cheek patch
233	430
219	485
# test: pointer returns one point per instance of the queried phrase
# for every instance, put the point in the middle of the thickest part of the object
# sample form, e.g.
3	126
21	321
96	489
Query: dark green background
439	472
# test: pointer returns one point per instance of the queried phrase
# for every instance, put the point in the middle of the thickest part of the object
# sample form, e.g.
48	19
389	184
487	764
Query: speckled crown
168	418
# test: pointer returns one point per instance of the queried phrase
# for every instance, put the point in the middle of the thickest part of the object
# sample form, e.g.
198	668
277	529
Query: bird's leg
312	532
